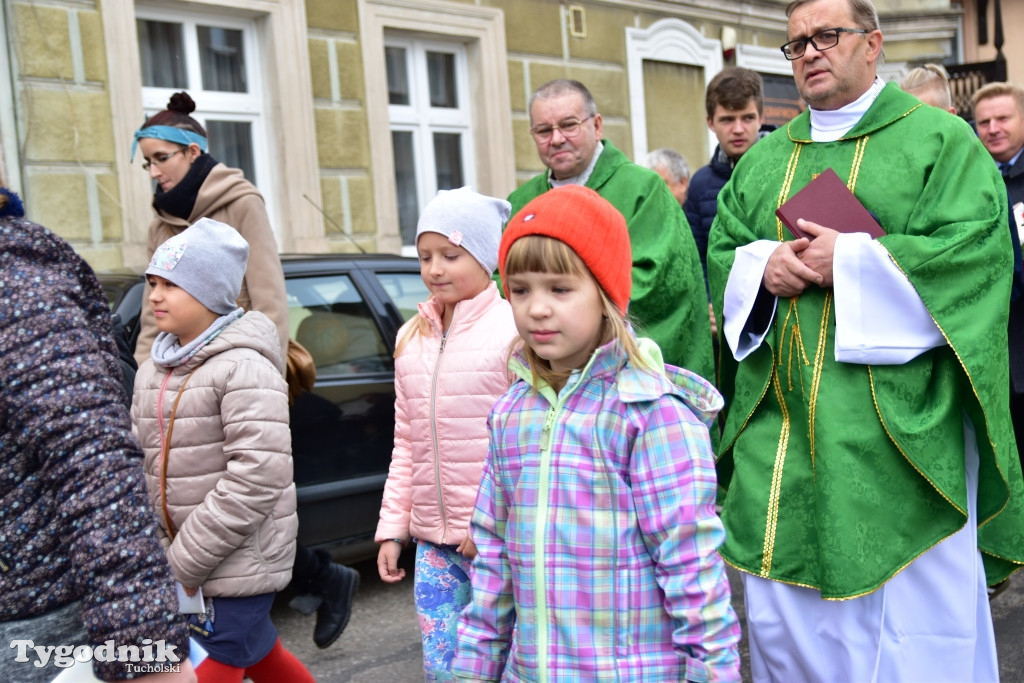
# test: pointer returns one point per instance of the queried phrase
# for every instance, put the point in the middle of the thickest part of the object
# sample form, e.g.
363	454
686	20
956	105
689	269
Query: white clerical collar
582	178
829	126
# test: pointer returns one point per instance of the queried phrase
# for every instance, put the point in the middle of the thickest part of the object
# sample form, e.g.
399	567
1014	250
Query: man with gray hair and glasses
668	299
872	481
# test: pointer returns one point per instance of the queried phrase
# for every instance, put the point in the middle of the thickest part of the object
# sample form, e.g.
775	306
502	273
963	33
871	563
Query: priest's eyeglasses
823	40
570	129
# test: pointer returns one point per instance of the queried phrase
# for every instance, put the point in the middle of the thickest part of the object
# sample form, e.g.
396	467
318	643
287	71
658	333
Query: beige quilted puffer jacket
229	483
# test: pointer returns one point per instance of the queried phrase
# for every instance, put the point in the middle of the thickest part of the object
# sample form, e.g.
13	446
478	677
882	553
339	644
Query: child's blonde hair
418	325
540	254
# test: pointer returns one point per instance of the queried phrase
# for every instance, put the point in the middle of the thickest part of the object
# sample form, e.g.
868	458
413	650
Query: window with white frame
215	59
431	124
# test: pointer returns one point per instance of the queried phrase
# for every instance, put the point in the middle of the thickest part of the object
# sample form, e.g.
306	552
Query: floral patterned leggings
442	589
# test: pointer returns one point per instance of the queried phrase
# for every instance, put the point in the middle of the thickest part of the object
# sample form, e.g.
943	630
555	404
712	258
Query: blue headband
170	134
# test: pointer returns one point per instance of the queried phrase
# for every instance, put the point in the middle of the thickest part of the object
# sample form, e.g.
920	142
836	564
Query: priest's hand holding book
788	274
815	215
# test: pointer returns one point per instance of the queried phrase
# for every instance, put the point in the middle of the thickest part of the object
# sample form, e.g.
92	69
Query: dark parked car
346	310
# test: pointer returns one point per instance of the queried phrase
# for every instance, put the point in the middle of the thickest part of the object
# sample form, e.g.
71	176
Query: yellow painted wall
62	104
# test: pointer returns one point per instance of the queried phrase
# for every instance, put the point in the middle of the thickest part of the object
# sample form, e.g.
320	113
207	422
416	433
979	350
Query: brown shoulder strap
171	529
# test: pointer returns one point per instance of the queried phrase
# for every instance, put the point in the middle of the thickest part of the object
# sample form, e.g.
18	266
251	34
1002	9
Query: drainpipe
1000	60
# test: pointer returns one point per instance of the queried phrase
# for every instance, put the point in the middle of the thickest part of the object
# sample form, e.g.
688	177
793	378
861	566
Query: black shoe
338	589
995	590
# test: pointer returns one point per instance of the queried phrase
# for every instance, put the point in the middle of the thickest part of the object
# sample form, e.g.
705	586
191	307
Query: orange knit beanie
592	228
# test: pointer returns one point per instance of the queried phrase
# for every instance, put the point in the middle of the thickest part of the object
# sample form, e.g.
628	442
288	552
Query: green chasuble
668	300
838	475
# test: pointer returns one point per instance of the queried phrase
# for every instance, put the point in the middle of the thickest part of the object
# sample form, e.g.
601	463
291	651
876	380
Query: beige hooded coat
229	485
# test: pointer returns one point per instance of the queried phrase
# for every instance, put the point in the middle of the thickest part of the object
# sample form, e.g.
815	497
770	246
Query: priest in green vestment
667	276
865	380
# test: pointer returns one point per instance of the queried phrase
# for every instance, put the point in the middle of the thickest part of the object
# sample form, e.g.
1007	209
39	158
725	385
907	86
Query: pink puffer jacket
444	390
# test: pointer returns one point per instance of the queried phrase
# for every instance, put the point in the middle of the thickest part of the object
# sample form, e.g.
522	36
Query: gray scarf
169	353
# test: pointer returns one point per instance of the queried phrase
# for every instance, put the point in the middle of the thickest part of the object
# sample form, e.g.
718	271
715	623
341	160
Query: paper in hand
189	605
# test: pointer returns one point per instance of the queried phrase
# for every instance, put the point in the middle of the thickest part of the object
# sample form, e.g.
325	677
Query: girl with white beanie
450	367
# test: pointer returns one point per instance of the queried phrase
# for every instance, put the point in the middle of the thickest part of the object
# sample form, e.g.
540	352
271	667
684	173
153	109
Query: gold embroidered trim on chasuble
790	333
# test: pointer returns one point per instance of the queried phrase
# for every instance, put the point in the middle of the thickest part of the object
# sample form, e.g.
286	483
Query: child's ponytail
416	325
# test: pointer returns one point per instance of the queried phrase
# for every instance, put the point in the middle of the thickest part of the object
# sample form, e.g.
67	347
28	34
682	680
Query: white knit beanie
207	260
469	220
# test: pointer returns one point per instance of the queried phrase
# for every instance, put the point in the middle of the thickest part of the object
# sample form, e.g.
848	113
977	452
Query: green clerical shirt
668	298
838	475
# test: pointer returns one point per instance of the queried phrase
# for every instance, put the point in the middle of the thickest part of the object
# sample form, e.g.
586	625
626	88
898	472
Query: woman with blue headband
189	185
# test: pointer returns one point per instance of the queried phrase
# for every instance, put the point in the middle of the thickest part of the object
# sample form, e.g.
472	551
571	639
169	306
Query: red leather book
827	201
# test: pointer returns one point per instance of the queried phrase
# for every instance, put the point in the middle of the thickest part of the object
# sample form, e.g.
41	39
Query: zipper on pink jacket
433	426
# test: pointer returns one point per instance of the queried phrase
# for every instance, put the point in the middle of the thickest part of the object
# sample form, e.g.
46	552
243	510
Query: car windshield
406	290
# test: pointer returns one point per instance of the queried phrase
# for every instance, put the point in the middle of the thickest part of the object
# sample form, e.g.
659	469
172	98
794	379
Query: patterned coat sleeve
672	471
76	521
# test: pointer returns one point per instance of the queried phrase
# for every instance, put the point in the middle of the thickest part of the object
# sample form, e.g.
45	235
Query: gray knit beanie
207	260
469	220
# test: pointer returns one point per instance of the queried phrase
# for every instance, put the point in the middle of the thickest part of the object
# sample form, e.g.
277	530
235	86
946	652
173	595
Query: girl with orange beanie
595	523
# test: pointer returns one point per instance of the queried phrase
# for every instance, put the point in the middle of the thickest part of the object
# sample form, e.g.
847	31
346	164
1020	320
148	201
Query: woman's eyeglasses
158	160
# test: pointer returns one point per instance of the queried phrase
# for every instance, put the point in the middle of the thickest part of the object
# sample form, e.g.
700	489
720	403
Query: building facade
350	114
980	30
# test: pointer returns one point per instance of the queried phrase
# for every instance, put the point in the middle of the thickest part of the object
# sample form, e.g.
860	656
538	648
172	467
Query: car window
125	298
114	293
405	289
329	316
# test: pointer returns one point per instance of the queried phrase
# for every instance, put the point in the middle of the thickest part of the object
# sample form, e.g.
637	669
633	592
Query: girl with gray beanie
191	184
222	483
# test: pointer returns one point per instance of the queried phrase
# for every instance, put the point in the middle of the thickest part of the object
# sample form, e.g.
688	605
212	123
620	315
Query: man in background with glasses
872	482
998	110
668	297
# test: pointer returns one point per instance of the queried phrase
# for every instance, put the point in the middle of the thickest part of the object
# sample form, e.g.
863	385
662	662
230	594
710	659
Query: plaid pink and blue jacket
597	534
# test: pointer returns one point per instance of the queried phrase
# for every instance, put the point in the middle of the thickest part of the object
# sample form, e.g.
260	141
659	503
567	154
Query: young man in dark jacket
735	108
